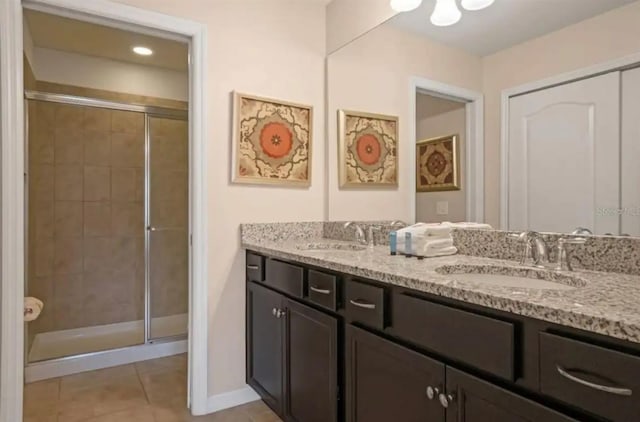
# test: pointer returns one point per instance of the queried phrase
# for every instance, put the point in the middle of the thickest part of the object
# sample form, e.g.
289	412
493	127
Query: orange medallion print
276	140
368	148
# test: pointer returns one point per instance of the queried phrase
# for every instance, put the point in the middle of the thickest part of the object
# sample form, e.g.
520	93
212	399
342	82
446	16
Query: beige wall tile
123	184
97	183
97	148
69	116
41	182
69	146
127	121
68	218
169	214
169	185
126	252
42	263
127	219
169	153
109	297
169	273
68	297
98	254
41	143
68	182
127	150
97	119
68	255
45	112
41	219
97	219
168	128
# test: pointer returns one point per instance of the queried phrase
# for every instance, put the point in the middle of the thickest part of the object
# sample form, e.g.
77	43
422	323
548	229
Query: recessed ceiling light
476	4
143	51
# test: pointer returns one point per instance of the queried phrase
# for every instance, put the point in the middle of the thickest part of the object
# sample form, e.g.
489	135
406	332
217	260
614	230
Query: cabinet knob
280	313
446	399
432	392
274	312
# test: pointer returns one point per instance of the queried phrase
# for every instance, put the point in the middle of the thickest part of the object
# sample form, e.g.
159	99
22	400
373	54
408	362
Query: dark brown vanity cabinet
292	356
386	382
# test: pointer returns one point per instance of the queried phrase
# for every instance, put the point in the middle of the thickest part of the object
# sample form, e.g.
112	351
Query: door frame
12	129
617	64
473	182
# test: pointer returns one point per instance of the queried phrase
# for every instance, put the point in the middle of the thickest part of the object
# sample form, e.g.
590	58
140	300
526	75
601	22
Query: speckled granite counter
608	304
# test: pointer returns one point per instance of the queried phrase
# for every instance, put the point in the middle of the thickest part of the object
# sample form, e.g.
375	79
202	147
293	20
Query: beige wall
98	73
605	37
271	48
437	117
349	19
372	74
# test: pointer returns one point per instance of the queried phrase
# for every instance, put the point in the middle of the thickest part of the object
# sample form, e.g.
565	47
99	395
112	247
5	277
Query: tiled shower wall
86	215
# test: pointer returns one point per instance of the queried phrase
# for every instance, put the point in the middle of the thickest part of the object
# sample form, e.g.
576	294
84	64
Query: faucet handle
564	255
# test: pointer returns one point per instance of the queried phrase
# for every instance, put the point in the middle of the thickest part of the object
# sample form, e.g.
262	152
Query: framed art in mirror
367	150
438	164
271	141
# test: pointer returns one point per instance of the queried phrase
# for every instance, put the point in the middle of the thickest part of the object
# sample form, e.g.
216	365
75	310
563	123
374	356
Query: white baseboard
231	399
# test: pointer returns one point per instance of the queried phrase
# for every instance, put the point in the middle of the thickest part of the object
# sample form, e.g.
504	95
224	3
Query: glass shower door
167	227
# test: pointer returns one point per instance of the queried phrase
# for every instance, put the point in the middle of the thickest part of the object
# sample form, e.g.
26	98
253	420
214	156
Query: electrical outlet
442	207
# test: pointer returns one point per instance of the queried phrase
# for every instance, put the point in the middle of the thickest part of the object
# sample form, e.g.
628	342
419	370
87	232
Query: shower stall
107	196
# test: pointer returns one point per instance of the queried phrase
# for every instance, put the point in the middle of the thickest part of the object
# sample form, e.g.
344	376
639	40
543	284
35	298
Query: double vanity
341	332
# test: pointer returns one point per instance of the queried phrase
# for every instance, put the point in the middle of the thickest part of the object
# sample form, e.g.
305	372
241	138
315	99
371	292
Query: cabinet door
473	400
311	356
265	344
387	382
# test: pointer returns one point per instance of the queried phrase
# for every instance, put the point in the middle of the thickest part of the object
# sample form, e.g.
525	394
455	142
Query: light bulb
445	13
405	5
143	51
476	4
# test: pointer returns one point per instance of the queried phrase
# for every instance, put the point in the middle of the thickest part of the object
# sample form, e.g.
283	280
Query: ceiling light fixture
143	51
445	13
476	4
405	5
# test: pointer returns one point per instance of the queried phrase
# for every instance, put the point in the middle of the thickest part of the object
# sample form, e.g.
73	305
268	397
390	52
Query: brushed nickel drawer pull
253	267
613	390
360	304
321	291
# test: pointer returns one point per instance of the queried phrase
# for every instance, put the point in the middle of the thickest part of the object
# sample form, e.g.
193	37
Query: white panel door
630	152
564	157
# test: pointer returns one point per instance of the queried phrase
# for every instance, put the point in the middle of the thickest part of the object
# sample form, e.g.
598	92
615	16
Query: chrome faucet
398	223
564	256
360	236
581	231
535	248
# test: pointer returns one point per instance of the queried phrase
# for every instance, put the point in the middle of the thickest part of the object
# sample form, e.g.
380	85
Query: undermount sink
352	247
527	278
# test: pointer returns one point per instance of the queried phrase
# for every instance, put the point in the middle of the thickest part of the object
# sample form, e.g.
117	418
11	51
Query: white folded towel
32	308
435	244
469	225
433	252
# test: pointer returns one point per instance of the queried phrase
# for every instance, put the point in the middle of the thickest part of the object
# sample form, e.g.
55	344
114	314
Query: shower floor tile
148	391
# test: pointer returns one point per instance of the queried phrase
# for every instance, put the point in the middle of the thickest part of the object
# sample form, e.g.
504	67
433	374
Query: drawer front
365	304
599	380
323	289
476	340
255	267
285	277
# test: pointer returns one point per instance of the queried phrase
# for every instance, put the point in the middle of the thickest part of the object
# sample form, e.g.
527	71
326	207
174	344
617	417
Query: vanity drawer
602	381
323	289
285	277
476	340
255	267
365	304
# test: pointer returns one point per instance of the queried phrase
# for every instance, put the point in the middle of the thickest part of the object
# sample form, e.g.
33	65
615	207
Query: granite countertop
607	303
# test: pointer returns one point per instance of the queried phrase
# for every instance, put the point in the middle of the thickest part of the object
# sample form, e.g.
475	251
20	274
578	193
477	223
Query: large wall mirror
524	115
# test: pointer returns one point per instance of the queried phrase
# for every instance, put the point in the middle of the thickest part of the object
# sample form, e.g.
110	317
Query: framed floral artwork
438	164
271	141
367	150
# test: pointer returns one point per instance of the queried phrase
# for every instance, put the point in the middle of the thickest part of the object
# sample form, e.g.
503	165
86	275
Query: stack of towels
433	239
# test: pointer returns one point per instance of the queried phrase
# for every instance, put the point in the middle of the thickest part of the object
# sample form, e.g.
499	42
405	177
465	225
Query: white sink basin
523	278
351	247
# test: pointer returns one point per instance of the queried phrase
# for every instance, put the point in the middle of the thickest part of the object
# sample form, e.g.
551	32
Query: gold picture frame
438	164
271	141
367	150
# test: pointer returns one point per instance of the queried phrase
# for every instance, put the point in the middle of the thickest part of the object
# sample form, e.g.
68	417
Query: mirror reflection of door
438	117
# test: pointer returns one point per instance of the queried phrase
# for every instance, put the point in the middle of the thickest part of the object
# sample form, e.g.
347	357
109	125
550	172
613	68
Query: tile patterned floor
149	391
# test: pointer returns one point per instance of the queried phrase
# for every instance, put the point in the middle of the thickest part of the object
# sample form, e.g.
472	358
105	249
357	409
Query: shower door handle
163	229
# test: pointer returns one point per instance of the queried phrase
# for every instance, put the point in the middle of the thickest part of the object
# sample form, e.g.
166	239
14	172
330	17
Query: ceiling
503	24
55	32
429	105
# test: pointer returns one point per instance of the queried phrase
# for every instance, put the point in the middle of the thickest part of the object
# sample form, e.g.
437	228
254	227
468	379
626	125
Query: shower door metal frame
148	111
